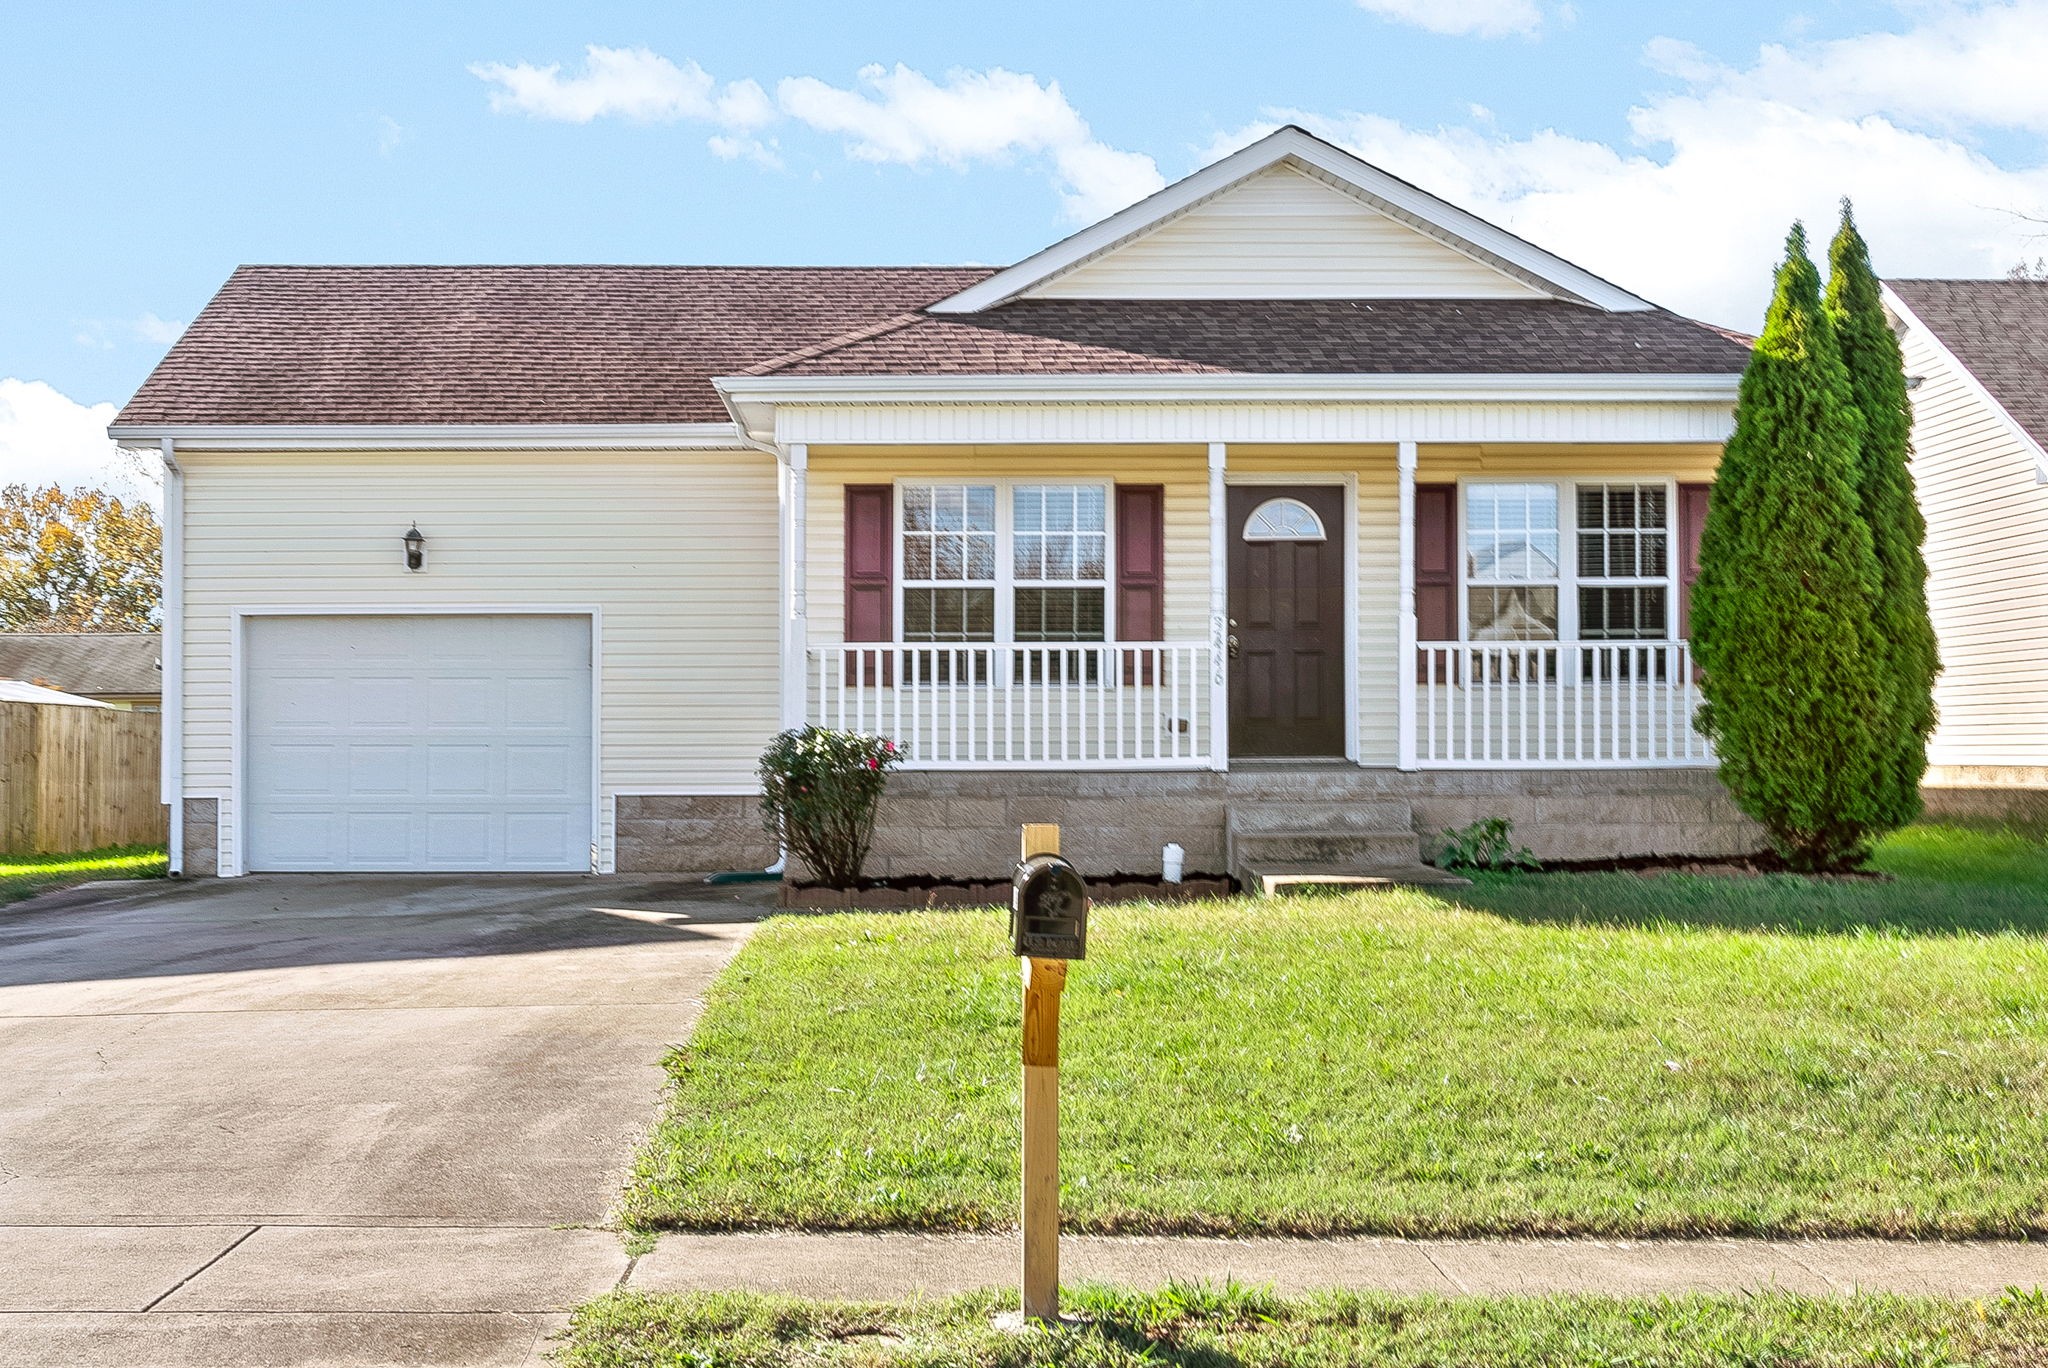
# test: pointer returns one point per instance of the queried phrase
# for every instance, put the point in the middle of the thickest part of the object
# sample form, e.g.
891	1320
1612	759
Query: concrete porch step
1363	815
1274	880
1357	848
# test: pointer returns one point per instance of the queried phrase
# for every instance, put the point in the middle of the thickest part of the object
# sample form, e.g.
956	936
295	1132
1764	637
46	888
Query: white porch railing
1511	705
1138	705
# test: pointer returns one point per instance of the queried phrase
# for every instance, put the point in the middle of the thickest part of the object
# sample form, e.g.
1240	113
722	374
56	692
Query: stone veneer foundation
202	837
963	825
1987	793
662	833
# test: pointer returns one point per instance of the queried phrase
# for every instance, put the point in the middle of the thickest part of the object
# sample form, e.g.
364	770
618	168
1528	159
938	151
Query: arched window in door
1278	520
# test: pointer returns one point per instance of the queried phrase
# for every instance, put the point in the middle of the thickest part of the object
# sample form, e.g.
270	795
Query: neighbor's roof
16	691
506	344
1278	337
100	664
642	344
1998	329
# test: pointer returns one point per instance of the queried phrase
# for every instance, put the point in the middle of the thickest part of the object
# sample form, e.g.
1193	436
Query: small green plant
820	789
1486	844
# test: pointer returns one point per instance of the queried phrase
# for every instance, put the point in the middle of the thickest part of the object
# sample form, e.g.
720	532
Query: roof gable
1995	333
1252	222
1285	234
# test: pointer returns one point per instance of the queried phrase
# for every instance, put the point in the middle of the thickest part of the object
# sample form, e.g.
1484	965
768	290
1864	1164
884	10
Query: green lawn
1553	1054
1236	1328
24	876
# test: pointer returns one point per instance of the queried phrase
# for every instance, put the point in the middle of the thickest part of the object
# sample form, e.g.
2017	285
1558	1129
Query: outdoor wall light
415	548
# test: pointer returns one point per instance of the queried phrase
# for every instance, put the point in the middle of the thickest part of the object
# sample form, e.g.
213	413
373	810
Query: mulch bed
1719	867
897	894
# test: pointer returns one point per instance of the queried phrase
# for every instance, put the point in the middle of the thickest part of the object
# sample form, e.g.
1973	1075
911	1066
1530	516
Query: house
1289	514
1977	361
121	668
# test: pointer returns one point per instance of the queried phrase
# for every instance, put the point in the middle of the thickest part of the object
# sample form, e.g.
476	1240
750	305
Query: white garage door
417	743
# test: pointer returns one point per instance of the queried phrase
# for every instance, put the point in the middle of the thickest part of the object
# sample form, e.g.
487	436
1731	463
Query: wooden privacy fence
78	778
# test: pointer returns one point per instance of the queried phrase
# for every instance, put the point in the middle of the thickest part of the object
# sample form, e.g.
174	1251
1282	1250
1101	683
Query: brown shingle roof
641	344
93	664
1998	329
1278	336
506	344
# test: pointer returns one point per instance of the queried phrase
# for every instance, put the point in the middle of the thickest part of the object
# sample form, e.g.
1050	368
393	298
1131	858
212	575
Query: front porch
1164	705
1406	606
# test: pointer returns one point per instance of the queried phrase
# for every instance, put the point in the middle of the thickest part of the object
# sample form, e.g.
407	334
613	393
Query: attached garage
418	742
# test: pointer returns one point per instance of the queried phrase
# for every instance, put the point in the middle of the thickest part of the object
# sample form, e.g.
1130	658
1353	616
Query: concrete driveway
242	1120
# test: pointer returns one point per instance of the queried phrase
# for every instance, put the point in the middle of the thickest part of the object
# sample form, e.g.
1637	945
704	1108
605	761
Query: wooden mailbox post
1048	926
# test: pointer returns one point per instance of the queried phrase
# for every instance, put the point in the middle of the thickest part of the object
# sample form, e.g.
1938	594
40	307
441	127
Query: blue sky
153	147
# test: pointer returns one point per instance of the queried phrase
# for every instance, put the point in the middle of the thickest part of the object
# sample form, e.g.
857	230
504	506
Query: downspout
173	649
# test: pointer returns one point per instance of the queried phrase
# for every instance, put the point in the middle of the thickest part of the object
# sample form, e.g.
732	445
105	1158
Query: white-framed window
1570	559
1004	560
1624	563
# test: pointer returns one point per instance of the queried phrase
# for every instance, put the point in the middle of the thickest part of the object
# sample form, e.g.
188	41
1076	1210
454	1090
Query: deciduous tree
83	561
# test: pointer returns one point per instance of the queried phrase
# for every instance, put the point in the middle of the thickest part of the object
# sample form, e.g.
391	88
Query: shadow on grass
1945	880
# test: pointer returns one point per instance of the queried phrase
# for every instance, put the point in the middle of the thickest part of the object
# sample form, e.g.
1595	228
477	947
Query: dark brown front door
1287	619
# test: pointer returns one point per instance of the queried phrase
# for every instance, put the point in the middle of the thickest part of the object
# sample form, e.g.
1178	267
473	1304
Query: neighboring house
121	668
20	691
1977	360
1286	514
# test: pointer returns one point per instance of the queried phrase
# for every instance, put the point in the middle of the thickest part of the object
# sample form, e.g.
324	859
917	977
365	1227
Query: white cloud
1693	212
1966	66
48	438
162	331
390	135
900	115
1464	18
890	115
627	83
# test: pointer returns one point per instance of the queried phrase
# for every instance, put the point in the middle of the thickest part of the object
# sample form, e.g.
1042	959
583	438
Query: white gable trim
1391	195
1970	383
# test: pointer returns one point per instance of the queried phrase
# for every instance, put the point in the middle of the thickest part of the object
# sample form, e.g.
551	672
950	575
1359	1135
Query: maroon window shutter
870	569
1436	568
1692	521
1140	568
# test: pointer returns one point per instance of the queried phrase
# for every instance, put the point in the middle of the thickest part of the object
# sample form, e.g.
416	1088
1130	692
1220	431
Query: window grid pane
1624	561
949	563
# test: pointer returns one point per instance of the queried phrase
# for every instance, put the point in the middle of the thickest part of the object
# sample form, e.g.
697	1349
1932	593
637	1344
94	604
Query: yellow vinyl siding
1688	463
1987	564
677	549
1284	235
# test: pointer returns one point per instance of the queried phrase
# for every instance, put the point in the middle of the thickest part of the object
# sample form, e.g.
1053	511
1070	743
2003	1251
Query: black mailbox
1048	910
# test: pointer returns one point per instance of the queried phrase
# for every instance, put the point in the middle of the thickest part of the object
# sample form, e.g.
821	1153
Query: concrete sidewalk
358	1295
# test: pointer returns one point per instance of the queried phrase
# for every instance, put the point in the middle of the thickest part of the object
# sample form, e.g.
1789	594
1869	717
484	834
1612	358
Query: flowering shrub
819	792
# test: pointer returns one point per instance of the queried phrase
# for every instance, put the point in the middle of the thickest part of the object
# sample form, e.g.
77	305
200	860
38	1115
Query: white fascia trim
438	436
1295	143
1970	382
1011	389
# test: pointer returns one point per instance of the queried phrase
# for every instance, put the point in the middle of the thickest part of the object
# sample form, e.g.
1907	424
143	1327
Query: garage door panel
418	742
460	771
381	772
381	702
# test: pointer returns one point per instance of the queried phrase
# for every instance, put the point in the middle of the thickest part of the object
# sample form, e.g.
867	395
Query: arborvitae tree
1884	488
1782	613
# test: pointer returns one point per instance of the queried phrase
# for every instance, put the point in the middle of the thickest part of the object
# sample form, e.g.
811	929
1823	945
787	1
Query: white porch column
793	463
1404	690
1219	614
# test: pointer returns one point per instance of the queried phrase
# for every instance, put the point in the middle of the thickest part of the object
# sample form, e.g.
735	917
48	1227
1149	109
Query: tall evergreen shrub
1783	611
1884	488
